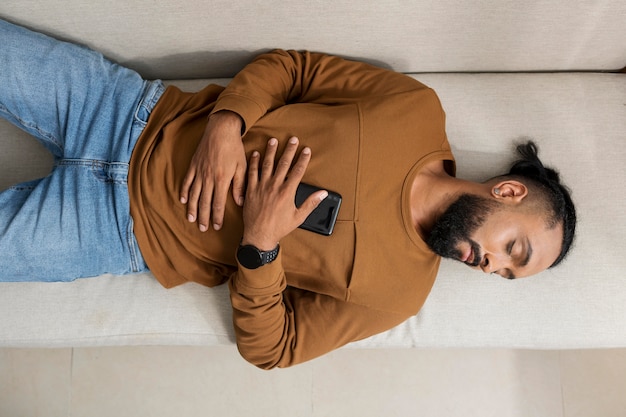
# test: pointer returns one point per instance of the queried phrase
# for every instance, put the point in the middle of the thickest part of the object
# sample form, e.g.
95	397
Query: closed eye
505	273
509	247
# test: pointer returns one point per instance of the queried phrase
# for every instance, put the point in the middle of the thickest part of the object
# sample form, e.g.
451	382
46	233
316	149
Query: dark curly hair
555	195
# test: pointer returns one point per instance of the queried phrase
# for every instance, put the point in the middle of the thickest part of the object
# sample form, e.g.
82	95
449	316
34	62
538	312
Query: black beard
457	224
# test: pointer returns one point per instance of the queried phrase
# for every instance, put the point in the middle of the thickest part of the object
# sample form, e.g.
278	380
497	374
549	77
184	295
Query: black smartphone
322	220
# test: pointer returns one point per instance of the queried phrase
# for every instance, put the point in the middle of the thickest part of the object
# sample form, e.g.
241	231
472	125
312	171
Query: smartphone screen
322	220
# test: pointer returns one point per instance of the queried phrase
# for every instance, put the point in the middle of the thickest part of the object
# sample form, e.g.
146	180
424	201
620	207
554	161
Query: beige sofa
503	70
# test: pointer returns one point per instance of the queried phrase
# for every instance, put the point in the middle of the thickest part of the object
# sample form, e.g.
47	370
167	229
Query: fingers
218	161
279	173
284	163
199	205
267	167
189	177
239	181
215	208
311	204
299	168
269	212
253	171
197	193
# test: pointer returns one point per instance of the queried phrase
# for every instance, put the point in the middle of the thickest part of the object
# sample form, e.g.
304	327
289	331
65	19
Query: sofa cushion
578	120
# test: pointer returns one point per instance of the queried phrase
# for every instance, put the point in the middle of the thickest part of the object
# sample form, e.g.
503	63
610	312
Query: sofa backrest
194	39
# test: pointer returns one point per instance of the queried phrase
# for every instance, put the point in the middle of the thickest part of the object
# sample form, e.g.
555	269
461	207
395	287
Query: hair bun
531	166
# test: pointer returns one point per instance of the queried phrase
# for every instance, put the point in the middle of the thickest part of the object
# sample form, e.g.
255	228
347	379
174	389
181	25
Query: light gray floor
192	381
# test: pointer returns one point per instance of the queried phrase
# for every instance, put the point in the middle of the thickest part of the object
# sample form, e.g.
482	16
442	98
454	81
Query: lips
468	256
472	256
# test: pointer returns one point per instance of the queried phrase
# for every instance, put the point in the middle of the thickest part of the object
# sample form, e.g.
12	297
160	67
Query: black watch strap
251	257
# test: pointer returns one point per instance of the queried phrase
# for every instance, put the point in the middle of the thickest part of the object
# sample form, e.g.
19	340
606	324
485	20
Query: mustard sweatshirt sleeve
281	326
282	77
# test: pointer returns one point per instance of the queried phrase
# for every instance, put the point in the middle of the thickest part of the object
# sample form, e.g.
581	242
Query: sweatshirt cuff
249	110
265	280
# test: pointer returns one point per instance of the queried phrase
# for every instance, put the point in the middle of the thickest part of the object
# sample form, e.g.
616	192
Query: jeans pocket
153	92
141	115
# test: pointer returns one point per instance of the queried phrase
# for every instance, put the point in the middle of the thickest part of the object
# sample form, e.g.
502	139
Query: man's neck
432	192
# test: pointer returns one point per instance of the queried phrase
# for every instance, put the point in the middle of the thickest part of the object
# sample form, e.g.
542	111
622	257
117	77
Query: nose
485	265
492	263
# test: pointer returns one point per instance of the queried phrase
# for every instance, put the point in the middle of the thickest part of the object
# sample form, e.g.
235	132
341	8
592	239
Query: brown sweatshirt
370	131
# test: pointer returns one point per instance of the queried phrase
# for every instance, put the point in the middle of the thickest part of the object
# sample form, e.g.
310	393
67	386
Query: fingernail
273	141
306	151
293	140
183	200
191	218
217	226
323	195
203	228
240	201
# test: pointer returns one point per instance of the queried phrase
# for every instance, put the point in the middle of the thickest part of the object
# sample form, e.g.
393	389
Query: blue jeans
88	112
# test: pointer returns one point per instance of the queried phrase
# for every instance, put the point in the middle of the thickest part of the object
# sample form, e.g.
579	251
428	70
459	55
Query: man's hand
219	160
270	212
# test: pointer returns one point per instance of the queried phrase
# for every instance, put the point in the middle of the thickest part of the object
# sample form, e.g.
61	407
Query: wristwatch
251	257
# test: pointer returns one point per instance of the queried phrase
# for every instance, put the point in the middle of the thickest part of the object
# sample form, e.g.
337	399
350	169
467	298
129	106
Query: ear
510	191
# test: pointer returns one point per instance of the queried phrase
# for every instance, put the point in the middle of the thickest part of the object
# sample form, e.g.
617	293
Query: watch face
250	257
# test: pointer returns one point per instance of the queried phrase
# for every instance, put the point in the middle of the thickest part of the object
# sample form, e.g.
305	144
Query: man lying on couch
200	187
